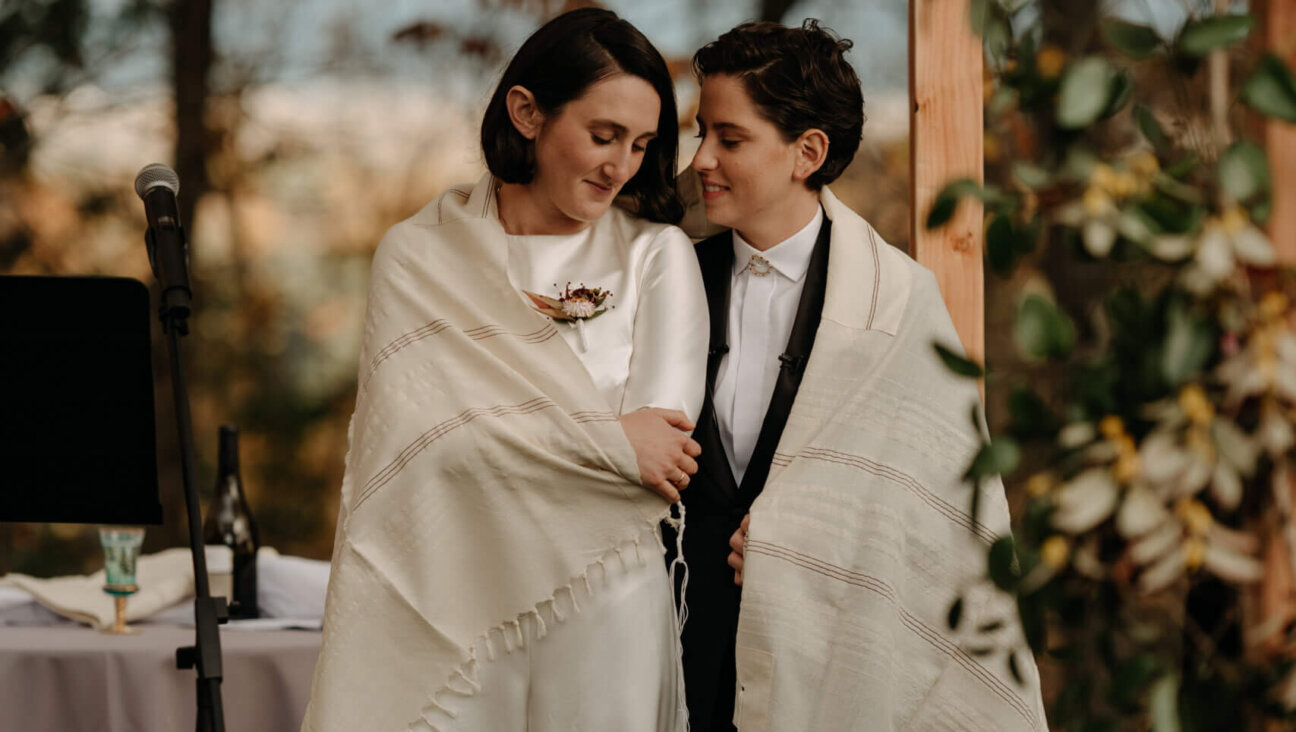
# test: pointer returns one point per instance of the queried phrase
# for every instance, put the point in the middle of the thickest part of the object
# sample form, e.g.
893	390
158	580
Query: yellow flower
1195	405
1273	305
1104	177
1195	516
1194	551
1050	61
1144	165
1111	427
1234	220
1127	468
1097	202
1055	551
1039	485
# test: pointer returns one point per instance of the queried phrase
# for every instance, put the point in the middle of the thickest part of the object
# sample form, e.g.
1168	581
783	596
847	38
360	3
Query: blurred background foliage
1143	386
301	130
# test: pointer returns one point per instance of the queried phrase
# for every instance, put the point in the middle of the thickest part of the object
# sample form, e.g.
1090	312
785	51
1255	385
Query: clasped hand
663	448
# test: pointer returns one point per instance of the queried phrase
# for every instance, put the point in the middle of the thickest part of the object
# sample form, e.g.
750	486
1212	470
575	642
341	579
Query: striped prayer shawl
861	539
486	477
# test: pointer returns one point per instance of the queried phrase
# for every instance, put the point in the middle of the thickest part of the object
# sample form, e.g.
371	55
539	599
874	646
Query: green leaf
1150	128
1002	564
1271	90
1042	330
1188	346
955	614
1121	89
947	201
1163	704
1031	417
1135	41
1243	171
1000	247
1085	92
1200	37
1032	176
958	364
1000	456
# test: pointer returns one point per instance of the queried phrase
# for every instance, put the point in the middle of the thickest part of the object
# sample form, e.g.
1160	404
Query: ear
811	150
523	111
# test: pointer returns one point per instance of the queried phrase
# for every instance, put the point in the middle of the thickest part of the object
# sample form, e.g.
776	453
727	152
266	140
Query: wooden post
945	143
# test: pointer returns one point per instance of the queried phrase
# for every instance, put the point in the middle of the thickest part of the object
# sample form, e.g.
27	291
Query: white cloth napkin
290	593
164	579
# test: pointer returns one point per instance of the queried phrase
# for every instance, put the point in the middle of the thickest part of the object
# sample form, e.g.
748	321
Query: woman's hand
738	542
665	452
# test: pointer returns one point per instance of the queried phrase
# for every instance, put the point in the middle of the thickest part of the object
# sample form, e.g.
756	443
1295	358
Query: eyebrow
619	128
722	126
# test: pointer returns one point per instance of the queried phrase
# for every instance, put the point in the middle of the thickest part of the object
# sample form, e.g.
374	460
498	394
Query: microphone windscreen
154	175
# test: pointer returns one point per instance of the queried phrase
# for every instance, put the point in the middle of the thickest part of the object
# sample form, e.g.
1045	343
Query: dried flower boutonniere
574	306
582	303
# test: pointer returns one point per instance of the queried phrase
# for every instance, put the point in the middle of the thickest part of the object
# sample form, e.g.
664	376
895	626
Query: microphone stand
209	612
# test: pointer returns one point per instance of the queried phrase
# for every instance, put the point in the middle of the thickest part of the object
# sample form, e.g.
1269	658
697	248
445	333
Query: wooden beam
945	143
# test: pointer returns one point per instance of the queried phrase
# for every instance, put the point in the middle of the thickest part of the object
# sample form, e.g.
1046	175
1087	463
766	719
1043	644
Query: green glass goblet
121	549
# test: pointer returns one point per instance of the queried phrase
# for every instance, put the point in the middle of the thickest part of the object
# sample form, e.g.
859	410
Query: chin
717	215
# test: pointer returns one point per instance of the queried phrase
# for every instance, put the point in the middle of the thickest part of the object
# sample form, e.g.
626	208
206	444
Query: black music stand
77	431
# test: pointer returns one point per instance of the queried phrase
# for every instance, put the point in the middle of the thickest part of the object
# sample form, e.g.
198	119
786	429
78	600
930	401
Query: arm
667	371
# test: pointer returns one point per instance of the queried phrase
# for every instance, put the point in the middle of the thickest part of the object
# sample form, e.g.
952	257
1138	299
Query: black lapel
715	258
792	366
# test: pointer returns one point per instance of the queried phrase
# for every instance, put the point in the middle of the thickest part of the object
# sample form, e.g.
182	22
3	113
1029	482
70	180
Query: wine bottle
230	529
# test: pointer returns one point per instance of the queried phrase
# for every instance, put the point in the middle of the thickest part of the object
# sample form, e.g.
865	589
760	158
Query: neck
778	224
523	213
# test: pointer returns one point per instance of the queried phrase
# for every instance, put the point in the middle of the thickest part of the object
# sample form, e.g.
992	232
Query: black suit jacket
714	500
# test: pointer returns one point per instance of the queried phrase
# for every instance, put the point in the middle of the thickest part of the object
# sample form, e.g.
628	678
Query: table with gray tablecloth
70	678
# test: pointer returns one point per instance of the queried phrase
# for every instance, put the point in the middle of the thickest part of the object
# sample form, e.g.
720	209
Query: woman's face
591	148
745	165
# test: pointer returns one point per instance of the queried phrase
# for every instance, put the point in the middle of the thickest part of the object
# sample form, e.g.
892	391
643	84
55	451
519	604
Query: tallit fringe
464	682
678	563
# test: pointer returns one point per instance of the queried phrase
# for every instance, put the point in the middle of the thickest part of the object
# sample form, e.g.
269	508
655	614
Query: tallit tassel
508	642
490	647
678	525
521	641
433	703
541	630
558	616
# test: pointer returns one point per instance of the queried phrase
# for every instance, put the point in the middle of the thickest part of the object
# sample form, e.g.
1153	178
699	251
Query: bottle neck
228	461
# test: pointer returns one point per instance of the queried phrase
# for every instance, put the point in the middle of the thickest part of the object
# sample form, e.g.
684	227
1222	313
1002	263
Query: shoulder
421	228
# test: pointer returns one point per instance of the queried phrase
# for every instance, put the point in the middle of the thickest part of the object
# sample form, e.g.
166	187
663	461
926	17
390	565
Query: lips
711	191
605	190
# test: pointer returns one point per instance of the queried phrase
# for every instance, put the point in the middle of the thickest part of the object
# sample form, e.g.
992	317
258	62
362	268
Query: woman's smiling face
746	166
588	150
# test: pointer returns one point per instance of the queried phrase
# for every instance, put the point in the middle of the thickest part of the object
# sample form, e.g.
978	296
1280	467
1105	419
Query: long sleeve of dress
671	329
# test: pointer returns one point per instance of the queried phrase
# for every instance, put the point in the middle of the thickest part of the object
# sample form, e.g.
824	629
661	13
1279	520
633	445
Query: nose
621	166
704	159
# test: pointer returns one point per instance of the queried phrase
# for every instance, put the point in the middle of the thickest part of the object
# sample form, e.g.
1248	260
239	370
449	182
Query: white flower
1086	501
1226	240
578	308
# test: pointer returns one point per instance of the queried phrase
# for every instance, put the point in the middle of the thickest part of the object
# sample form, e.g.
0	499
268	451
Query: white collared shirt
761	311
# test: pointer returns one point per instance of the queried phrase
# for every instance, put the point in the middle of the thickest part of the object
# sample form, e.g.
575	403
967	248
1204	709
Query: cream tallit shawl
861	538
486	481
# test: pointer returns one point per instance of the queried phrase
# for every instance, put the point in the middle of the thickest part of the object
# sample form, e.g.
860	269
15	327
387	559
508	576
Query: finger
746	520
736	561
682	483
687	464
677	419
692	448
737	540
666	490
738	578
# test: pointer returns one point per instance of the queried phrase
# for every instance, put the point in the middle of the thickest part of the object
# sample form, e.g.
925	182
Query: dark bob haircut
557	64
799	79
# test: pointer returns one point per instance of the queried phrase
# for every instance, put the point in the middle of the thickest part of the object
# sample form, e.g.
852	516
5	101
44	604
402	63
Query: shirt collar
790	257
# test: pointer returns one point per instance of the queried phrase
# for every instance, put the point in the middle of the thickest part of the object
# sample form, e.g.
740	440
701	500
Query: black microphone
168	251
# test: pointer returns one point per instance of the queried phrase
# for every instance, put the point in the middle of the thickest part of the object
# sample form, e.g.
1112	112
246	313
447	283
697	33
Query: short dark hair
799	79
557	64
